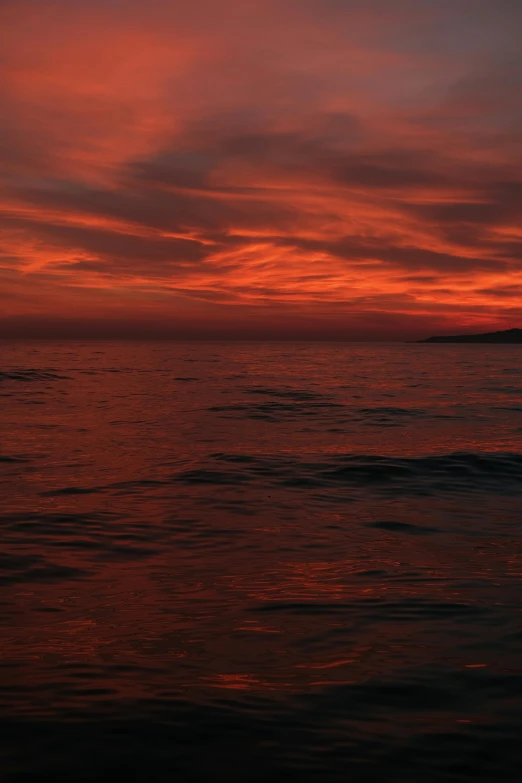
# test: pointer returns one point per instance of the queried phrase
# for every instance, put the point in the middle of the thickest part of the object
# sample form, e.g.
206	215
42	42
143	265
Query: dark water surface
260	562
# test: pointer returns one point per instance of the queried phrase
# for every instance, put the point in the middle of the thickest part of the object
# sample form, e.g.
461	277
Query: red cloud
278	168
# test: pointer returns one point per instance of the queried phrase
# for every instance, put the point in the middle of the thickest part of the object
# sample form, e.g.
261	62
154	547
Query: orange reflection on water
179	520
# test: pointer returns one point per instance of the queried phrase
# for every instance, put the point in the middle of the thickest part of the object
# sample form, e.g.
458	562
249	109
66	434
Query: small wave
69	491
389	410
29	375
405	527
300	395
283	410
91	535
412	610
504	389
458	472
274	410
22	568
393	416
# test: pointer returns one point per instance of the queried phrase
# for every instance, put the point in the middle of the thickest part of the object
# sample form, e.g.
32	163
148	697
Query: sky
267	169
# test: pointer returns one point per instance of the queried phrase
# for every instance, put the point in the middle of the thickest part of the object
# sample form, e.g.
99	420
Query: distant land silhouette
507	336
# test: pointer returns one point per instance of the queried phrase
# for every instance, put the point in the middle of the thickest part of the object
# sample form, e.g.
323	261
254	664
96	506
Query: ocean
260	562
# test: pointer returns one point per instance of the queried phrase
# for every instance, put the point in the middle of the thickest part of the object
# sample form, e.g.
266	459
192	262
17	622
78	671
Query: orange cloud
294	168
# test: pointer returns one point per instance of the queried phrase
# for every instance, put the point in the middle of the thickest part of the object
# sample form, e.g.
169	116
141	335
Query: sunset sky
260	168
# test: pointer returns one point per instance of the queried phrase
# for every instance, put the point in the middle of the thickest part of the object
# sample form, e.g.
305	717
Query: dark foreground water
260	562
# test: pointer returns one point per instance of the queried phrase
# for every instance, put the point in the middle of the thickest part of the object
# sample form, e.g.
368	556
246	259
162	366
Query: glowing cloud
322	168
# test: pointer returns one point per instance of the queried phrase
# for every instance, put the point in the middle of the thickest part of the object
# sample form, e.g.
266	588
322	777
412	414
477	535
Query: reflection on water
242	561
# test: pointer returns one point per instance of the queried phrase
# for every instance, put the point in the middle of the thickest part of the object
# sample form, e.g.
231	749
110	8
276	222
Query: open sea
258	562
